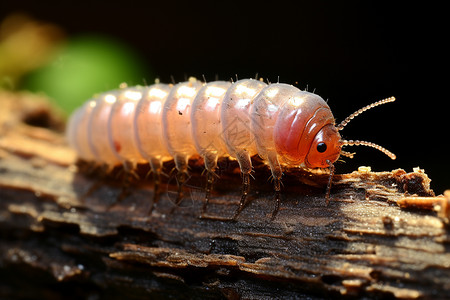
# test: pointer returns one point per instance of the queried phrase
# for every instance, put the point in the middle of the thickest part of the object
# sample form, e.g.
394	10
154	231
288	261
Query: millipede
285	126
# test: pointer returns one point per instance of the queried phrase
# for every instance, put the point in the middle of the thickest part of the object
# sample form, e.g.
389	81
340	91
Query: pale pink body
163	122
285	126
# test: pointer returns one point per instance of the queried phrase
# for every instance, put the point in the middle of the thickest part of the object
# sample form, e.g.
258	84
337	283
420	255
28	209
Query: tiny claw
245	188
181	179
208	188
277	186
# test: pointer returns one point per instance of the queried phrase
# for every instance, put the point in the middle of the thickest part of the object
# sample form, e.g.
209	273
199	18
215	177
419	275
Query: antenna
364	143
360	111
369	144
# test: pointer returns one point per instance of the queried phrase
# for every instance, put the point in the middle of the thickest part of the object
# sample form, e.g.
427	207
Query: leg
276	175
128	169
181	164
181	178
245	164
103	170
277	184
155	168
210	165
245	189
208	188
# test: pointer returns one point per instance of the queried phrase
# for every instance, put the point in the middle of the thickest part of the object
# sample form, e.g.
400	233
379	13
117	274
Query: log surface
64	234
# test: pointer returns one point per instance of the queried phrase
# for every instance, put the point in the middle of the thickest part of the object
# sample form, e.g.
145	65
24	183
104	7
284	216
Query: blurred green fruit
86	66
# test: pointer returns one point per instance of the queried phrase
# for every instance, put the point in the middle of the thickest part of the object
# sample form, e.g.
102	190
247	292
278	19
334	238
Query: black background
351	53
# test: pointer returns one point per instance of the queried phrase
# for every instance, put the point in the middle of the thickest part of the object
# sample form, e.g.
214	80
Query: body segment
148	126
207	129
98	134
264	115
176	121
121	127
236	121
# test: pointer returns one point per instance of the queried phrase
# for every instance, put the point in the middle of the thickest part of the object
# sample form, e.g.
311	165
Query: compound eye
321	147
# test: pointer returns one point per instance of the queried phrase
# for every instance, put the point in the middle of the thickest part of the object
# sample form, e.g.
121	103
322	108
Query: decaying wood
64	234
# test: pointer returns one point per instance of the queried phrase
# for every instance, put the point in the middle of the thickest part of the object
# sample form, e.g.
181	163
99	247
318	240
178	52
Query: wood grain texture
63	234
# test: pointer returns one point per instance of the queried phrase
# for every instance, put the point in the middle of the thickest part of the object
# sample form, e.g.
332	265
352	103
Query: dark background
351	53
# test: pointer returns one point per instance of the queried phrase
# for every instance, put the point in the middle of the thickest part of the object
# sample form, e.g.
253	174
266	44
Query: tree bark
67	232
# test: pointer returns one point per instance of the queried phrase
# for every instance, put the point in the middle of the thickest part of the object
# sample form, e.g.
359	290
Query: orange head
325	148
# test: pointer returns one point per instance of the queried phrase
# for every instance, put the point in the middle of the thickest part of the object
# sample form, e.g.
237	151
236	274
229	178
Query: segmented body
285	126
164	122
